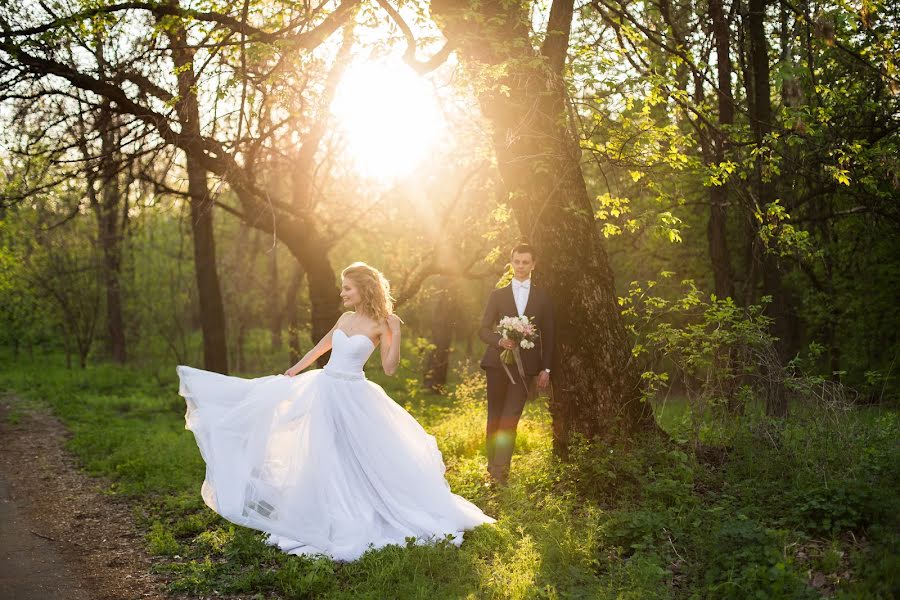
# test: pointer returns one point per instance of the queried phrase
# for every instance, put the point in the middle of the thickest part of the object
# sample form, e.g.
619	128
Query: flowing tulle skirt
324	463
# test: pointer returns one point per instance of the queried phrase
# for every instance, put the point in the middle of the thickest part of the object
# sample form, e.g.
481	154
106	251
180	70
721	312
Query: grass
792	509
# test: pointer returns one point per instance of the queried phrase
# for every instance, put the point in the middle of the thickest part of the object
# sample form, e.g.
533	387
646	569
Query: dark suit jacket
502	304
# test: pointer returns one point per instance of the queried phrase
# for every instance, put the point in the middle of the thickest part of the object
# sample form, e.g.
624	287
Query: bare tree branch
305	40
409	56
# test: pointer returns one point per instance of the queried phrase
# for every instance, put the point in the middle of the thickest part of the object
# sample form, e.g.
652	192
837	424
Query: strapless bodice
349	354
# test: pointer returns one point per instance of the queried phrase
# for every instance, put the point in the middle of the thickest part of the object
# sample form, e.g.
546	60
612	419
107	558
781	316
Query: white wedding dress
324	462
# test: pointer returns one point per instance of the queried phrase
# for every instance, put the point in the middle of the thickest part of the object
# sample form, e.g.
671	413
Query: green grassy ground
772	510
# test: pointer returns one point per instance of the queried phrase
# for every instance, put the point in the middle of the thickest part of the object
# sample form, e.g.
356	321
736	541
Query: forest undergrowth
743	507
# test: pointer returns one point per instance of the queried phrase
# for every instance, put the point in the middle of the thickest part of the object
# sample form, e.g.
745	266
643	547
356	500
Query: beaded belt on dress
344	374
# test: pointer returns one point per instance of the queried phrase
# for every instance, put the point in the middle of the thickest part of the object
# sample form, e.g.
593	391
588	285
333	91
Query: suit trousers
506	400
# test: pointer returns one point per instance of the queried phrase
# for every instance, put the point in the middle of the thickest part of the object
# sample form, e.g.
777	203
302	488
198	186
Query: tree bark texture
110	230
212	309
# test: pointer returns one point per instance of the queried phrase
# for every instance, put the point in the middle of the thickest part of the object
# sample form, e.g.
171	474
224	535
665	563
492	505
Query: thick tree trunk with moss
596	386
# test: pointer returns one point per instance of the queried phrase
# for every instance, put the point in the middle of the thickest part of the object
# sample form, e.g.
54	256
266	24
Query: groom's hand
543	380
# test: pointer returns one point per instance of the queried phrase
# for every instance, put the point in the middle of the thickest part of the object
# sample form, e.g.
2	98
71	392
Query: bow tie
521	285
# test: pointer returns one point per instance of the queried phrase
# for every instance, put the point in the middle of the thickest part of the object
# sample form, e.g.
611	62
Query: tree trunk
110	236
713	145
293	315
717	242
324	293
110	230
273	308
246	249
761	125
303	240
212	310
304	237
716	231
443	323
596	385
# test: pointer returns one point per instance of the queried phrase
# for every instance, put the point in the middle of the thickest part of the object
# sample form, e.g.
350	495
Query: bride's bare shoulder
342	319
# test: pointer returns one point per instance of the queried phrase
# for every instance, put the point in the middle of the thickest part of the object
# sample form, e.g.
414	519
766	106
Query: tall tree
596	385
147	98
212	309
716	231
759	93
111	209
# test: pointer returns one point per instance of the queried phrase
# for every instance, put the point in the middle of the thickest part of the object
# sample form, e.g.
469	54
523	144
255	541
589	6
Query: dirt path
60	536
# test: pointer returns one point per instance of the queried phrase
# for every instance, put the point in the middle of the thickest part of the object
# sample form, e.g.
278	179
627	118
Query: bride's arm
318	350
390	345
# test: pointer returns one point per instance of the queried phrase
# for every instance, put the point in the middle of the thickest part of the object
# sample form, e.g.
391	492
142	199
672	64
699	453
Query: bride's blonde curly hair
374	290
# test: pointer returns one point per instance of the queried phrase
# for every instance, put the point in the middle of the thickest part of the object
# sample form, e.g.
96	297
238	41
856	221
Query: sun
389	117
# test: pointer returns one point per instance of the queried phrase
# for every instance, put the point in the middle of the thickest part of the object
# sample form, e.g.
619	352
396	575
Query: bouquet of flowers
524	333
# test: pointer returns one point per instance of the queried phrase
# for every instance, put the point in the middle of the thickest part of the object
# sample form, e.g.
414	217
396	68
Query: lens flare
389	117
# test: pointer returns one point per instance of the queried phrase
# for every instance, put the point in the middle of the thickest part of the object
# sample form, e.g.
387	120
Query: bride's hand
394	322
290	372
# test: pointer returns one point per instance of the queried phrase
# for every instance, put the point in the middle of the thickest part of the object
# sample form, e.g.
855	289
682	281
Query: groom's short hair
523	248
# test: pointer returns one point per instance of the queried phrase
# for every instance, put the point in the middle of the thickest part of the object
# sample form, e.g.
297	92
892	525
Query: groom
506	398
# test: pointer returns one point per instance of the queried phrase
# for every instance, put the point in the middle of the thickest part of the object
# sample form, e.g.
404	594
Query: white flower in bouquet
521	331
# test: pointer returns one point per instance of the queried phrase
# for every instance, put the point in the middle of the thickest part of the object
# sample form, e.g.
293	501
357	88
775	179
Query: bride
325	462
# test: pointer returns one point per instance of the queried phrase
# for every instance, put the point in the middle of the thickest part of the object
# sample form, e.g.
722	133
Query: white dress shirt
520	291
